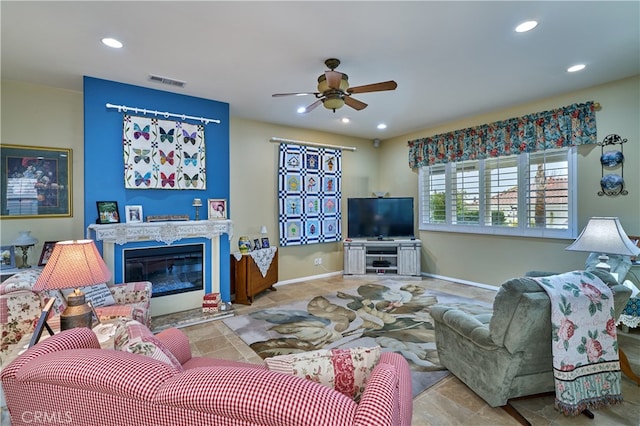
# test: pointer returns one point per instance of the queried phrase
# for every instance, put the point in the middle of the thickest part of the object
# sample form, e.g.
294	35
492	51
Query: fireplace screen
171	269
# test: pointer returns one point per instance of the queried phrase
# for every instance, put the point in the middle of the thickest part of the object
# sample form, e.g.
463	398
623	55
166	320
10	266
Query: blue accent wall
104	164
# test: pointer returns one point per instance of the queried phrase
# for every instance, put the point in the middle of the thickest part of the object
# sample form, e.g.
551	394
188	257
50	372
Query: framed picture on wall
108	212
47	249
217	208
133	214
35	182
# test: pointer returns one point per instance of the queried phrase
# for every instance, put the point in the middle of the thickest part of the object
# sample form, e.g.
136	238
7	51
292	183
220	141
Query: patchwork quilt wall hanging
163	154
309	194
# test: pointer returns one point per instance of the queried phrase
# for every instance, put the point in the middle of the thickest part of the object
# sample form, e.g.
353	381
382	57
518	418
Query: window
531	194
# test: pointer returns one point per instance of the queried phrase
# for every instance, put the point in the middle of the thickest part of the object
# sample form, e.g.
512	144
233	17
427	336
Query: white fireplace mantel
165	232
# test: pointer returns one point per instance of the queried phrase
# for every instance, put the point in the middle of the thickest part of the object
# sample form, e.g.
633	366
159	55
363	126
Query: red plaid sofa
20	307
69	377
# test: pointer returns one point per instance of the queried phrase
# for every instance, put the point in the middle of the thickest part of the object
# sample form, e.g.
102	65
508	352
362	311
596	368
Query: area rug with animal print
391	314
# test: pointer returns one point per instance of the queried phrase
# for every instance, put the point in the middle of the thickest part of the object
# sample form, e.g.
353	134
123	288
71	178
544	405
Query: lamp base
25	253
77	314
603	265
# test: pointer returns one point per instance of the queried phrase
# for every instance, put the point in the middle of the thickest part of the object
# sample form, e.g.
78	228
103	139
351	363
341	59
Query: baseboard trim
465	282
307	278
441	277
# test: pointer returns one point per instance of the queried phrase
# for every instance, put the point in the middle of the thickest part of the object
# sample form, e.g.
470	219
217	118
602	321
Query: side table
247	276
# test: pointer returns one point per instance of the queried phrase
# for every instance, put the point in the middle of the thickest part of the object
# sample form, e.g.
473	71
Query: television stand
380	239
391	257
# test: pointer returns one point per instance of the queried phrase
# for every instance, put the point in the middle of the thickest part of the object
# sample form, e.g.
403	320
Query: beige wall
492	259
254	189
37	115
43	116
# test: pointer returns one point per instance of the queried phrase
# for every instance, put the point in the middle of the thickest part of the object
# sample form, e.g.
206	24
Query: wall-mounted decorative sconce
612	183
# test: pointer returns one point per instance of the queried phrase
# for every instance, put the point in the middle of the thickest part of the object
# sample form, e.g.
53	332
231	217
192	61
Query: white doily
263	259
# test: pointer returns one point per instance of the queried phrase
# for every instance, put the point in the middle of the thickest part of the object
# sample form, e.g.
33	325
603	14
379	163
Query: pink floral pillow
345	370
131	336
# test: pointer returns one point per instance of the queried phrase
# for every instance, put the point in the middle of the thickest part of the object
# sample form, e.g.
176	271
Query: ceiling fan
334	91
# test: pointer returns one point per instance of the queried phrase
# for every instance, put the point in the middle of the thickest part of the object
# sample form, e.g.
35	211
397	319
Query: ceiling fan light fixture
333	102
323	86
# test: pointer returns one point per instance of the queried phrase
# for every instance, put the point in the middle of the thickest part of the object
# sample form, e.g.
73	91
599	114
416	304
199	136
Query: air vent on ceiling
166	80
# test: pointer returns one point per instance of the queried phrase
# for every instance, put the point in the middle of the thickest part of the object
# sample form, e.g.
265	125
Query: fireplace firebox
172	269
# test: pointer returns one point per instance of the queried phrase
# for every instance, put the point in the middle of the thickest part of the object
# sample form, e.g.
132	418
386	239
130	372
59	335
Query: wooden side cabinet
247	280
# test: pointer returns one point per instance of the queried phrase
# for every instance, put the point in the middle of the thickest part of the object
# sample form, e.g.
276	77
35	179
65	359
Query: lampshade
73	264
25	239
263	230
197	202
604	235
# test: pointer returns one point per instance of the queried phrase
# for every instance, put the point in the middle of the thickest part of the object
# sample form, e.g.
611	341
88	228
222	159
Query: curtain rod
346	148
124	108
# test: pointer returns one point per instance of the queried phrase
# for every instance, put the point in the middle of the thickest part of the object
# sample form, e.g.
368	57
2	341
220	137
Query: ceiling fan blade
312	106
354	103
333	79
376	87
275	95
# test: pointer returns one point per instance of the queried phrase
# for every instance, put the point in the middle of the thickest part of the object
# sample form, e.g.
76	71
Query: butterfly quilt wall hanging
163	154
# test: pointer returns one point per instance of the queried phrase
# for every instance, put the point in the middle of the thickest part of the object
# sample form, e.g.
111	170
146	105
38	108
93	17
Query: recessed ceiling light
302	110
112	42
345	120
575	68
526	26
382	126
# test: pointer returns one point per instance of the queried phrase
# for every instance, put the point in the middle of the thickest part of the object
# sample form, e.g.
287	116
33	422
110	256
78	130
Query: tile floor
449	402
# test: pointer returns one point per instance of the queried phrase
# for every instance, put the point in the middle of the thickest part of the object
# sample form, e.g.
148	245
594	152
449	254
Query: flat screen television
380	218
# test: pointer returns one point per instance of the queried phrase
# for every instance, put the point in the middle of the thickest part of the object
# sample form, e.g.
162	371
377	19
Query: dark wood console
247	280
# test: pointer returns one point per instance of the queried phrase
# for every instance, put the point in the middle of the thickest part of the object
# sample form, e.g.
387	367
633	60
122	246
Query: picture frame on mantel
107	212
217	208
35	182
133	214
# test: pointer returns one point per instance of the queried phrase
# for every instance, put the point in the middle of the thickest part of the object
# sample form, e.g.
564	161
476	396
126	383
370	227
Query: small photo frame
47	249
133	214
108	212
257	245
265	242
7	257
217	208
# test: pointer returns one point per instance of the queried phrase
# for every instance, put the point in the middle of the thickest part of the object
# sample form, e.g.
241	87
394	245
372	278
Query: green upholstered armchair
505	352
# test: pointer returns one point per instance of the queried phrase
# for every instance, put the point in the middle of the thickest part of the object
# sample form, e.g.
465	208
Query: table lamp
604	235
73	264
24	242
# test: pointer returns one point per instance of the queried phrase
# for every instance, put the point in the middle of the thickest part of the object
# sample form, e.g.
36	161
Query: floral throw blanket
586	367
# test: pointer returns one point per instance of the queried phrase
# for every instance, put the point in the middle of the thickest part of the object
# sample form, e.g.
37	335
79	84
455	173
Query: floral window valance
567	126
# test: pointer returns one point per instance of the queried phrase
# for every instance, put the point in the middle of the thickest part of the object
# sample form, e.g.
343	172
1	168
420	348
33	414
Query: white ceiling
450	59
